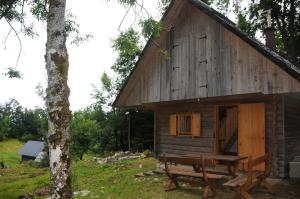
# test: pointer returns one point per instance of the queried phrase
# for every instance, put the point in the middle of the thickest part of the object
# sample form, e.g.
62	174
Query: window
185	124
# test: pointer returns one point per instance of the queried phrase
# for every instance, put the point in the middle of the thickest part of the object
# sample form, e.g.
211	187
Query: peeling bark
57	101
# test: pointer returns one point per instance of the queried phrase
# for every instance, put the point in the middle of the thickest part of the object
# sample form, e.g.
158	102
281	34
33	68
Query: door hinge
203	86
175	45
203	61
203	37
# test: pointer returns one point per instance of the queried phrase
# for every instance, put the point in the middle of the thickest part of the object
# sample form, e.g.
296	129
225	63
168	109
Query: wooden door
251	137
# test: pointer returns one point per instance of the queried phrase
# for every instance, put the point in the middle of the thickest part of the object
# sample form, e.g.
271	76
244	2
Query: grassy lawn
105	181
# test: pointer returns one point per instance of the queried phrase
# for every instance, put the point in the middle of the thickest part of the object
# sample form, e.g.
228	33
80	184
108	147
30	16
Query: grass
105	181
18	179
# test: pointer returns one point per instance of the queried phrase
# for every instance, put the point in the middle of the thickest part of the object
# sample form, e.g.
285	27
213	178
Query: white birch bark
57	101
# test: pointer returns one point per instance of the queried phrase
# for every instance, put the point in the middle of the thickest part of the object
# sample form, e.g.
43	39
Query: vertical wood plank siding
207	60
166	143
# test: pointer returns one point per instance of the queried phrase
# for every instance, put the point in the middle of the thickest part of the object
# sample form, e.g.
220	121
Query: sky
87	61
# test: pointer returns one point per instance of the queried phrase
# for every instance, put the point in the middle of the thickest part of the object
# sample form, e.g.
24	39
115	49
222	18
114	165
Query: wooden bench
252	178
198	171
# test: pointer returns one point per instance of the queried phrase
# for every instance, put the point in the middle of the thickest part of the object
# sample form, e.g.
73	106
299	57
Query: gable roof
32	148
283	63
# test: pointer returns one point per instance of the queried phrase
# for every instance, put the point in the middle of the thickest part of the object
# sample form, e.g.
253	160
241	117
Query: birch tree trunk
57	101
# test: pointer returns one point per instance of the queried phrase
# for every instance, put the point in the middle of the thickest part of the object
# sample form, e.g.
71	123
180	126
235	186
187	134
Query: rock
82	193
40	157
119	156
85	193
143	156
139	175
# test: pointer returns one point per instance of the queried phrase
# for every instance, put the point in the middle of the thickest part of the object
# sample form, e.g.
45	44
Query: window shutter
196	124
173	124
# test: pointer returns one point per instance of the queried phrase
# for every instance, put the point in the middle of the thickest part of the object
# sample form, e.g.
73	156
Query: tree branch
124	18
20	43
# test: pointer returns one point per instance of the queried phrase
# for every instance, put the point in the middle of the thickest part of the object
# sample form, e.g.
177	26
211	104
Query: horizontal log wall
166	143
185	144
291	127
275	141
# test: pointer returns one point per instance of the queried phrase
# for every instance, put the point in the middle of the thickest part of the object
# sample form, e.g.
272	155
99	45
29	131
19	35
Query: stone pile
119	156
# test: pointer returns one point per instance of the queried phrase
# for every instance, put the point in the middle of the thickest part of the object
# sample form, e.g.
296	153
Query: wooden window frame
195	125
184	133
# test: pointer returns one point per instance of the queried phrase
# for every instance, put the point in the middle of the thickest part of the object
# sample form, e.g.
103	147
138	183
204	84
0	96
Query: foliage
106	82
286	19
163	5
151	27
20	123
127	2
13	73
84	134
4	127
128	48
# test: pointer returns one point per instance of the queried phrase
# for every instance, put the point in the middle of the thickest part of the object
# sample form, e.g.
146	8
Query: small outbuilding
31	150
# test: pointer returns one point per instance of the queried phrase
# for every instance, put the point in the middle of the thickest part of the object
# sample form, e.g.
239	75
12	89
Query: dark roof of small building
283	63
32	148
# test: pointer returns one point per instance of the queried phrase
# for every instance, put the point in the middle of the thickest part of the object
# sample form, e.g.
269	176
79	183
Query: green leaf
151	27
13	73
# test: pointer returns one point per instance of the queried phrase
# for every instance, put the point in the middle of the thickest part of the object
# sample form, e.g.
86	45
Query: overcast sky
87	62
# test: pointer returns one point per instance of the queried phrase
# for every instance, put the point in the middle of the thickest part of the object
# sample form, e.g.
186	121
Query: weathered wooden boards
206	60
291	127
251	131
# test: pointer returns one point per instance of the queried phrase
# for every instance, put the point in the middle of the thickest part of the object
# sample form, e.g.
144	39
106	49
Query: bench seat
241	179
182	172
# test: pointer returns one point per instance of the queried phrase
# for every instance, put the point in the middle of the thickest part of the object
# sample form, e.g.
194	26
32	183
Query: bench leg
245	195
241	193
173	180
207	192
266	185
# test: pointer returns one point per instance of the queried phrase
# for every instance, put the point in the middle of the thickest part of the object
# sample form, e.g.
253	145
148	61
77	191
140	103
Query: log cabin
217	91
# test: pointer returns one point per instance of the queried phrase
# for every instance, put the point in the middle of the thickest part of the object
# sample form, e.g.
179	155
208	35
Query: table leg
232	167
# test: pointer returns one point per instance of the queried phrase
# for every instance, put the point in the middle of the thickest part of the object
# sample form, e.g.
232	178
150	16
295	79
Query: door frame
216	123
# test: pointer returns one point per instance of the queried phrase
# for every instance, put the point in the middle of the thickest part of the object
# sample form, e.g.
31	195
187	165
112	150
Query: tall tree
57	93
57	101
286	20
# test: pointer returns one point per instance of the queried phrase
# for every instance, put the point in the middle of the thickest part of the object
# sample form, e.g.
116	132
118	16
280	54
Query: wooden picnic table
230	161
199	171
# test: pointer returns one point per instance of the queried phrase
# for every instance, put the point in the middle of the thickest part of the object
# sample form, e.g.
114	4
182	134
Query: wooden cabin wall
275	140
291	127
166	143
203	59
